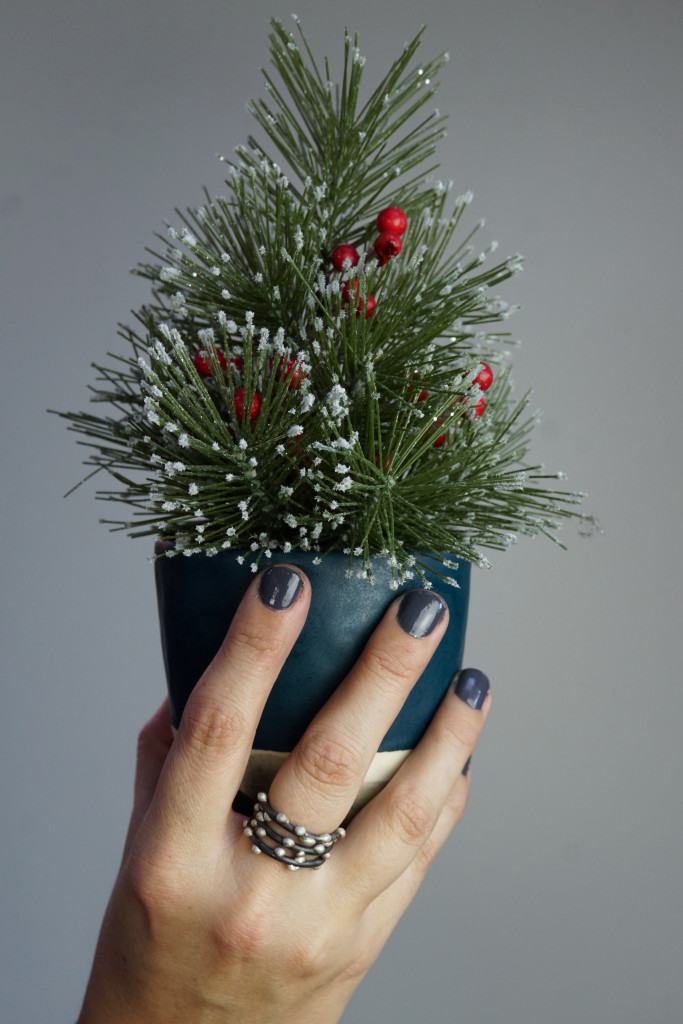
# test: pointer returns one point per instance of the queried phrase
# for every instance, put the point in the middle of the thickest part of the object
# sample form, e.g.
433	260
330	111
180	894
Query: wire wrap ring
271	832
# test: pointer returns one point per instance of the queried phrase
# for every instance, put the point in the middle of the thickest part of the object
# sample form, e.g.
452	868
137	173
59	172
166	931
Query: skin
199	930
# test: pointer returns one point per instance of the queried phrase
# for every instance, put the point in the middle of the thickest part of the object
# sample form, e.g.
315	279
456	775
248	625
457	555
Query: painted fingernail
472	686
466	767
280	587
420	612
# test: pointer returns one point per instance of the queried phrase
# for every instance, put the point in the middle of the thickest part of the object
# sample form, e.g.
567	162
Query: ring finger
389	834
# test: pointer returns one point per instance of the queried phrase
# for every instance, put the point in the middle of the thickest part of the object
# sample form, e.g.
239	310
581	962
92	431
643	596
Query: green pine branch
256	409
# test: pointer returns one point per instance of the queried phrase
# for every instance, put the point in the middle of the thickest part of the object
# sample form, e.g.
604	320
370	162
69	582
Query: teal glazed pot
198	596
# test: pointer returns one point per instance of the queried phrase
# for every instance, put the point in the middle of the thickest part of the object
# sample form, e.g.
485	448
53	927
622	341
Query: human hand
199	930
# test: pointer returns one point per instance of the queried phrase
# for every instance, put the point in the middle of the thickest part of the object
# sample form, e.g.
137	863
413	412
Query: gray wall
559	898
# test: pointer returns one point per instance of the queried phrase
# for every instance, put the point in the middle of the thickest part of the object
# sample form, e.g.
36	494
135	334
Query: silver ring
271	832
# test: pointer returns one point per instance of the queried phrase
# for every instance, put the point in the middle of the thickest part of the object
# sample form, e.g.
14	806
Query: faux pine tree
322	365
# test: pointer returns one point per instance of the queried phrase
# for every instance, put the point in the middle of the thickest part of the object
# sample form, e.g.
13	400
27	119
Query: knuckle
142	884
154	883
208	725
308	956
357	966
242	929
303	961
412	817
328	760
462	731
262	647
426	856
393	669
249	942
452	812
456	804
145	736
145	743
150	739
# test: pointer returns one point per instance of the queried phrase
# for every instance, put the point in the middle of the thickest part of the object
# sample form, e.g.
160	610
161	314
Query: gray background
559	897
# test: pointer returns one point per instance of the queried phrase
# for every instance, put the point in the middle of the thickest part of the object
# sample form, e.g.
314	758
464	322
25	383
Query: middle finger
320	780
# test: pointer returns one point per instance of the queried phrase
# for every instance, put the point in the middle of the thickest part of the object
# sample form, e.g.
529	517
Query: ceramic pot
197	597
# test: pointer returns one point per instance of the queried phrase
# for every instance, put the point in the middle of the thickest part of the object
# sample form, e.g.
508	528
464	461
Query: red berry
485	377
423	394
292	369
386	246
442	438
203	361
239	404
346	290
392	220
343	253
370	302
473	410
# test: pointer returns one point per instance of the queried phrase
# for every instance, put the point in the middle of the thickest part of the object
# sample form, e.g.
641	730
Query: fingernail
472	686
280	587
420	612
466	767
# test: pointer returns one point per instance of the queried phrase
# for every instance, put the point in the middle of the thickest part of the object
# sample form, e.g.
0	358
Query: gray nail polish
466	767
419	612
472	686
280	587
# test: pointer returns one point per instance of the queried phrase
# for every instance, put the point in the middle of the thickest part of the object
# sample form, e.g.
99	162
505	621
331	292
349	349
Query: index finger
207	761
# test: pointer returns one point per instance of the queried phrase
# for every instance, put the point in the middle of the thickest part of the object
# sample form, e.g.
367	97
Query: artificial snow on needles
269	399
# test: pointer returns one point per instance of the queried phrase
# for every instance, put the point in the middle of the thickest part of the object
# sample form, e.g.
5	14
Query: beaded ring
271	832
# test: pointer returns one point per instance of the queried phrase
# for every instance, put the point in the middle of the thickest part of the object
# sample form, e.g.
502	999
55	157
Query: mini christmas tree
322	363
